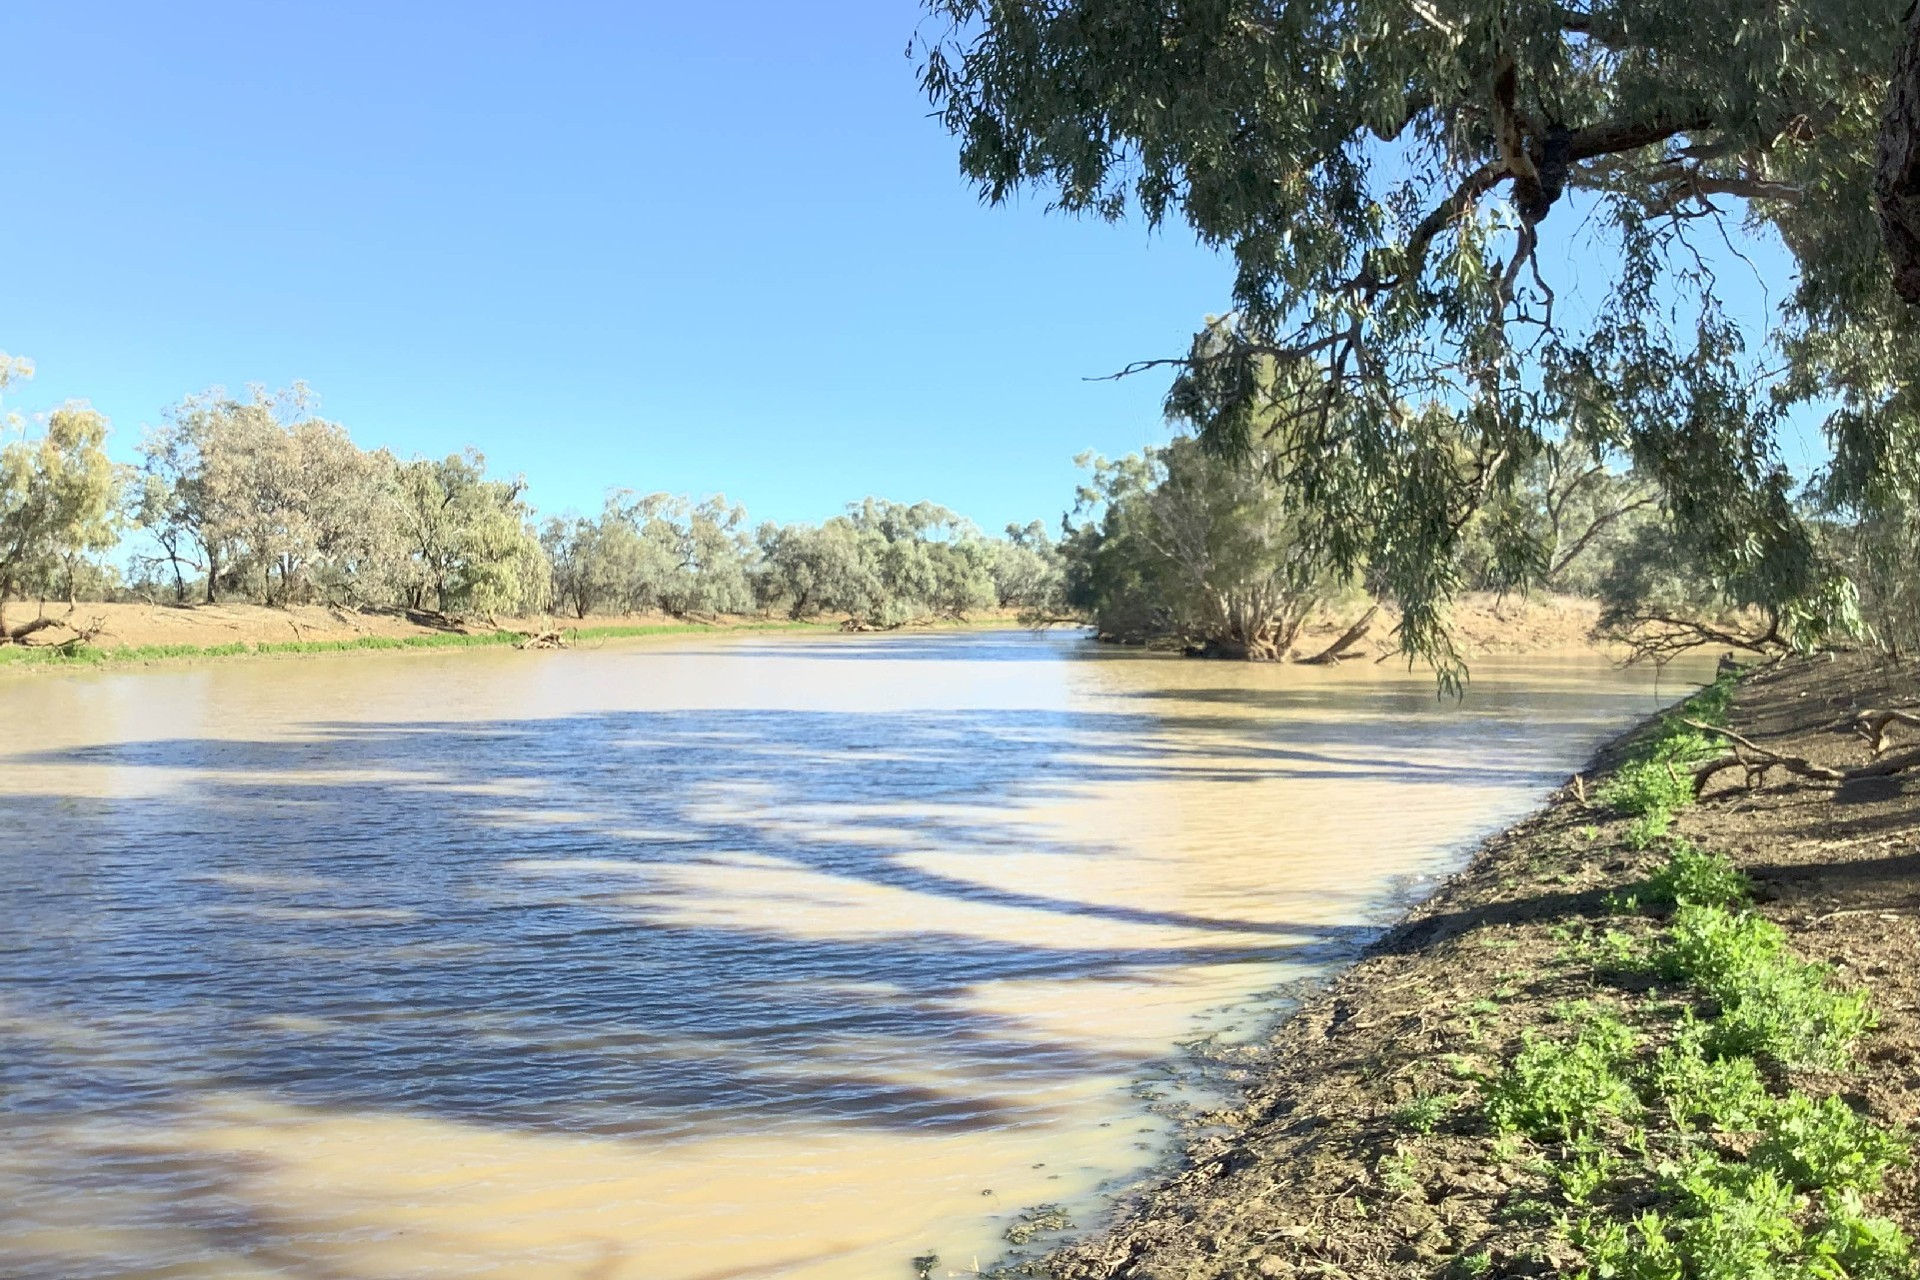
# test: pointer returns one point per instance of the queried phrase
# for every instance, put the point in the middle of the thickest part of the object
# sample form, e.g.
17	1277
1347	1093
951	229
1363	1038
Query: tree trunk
1896	181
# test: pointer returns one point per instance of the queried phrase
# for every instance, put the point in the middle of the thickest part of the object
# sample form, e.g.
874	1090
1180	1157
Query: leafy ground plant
1771	1003
1561	1089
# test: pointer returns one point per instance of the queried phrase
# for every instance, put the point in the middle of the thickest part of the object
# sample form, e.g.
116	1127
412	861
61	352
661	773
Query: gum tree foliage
466	539
656	552
263	497
1028	573
1385	173
881	564
1177	544
58	498
1569	519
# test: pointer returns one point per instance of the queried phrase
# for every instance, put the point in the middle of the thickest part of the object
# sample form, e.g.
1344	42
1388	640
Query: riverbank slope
135	632
1552	1048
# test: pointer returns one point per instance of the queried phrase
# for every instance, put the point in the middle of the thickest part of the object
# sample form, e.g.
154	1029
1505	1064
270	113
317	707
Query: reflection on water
730	958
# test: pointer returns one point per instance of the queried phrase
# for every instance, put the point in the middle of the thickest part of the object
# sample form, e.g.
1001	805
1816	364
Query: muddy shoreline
131	633
1319	1170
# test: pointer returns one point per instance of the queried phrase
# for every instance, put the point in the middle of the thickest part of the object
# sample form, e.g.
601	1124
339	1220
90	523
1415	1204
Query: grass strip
97	656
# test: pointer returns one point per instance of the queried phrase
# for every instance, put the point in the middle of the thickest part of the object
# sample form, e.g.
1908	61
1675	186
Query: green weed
1583	1177
1424	1112
1850	1242
1397	1173
1698	1091
1771	1003
1615	1250
1825	1144
1698	878
1562	1088
1736	1223
1657	778
1474	1264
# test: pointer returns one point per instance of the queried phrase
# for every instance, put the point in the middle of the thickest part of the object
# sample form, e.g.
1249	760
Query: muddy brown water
740	957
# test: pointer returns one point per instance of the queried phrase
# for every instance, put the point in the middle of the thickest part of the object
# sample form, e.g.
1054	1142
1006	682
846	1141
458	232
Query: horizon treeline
261	499
1180	546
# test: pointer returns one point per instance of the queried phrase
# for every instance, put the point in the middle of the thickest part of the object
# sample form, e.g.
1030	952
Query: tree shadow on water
527	923
636	925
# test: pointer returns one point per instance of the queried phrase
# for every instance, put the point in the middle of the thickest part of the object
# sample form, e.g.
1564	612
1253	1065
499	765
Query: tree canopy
58	497
1176	545
1398	183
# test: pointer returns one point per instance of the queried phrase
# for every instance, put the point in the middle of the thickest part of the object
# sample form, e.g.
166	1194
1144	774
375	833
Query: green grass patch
81	655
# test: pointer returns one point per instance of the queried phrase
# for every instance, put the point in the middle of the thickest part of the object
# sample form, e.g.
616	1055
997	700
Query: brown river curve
722	957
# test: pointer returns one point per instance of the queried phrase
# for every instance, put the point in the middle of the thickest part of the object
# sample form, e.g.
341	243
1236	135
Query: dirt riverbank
141	626
1370	1143
1485	625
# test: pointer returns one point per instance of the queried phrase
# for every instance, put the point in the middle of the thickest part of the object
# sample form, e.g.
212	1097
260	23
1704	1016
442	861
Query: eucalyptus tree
466	540
808	570
262	495
1179	545
882	564
58	499
926	560
1399	182
1028	573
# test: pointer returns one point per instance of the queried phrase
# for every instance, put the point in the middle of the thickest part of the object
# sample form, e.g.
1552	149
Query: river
722	957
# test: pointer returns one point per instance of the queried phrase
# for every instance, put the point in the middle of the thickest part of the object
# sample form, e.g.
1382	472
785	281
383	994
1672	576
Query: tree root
1875	725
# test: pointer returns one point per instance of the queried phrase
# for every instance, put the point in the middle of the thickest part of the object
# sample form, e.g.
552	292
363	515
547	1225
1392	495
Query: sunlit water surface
725	958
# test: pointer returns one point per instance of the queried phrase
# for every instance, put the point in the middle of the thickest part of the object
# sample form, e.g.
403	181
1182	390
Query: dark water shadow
465	911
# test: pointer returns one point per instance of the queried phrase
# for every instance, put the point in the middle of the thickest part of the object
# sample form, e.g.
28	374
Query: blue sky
610	244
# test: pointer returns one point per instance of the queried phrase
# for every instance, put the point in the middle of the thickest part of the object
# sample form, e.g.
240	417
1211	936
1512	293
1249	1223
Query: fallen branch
543	640
19	634
1767	758
1873	726
1331	655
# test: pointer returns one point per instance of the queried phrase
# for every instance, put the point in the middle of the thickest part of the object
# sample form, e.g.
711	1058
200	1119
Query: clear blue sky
610	244
655	245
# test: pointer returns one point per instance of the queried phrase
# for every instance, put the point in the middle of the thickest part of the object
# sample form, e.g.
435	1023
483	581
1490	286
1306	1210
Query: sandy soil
1485	624
132	625
1294	1186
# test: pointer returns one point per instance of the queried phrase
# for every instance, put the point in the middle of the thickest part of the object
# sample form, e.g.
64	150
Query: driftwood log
1353	635
1756	760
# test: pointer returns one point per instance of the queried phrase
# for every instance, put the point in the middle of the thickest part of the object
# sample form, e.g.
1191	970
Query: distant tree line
258	498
